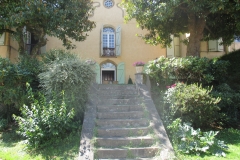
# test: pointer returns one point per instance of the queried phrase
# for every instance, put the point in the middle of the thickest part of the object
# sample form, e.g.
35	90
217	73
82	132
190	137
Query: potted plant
139	66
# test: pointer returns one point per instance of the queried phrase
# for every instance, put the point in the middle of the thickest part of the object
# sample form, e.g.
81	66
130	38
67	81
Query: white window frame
108	34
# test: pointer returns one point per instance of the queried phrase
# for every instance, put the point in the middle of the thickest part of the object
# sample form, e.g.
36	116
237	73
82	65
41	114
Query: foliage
66	20
57	55
192	103
202	19
233	69
189	140
43	121
189	69
13	78
68	73
90	62
3	124
229	105
31	67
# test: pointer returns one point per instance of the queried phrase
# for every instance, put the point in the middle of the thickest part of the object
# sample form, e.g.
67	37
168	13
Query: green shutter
97	72
170	50
43	48
176	42
2	38
121	73
118	41
212	45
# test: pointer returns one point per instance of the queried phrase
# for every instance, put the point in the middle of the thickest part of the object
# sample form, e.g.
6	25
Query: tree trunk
20	40
196	26
39	33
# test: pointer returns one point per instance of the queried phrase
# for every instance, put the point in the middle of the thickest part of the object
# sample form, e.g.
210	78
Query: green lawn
230	137
12	147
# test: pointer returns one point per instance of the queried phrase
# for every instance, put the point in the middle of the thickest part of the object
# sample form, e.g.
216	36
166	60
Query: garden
42	110
198	100
42	104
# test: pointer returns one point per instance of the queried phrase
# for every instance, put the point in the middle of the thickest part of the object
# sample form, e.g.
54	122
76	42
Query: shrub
13	78
31	67
188	69
44	121
192	103
71	75
57	55
3	124
130	80
229	105
189	140
233	69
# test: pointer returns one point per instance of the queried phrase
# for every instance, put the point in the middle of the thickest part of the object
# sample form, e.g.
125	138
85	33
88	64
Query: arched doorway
108	73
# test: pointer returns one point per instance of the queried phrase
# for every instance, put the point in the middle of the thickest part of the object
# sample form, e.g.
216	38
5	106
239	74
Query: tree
203	19
64	19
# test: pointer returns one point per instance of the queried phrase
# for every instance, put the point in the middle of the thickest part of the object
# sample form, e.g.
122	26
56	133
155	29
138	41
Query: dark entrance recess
107	75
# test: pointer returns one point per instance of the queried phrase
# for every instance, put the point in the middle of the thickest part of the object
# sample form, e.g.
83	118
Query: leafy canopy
64	19
202	19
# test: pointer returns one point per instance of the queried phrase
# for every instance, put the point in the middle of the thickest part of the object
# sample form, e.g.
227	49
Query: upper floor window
214	45
111	41
108	3
2	39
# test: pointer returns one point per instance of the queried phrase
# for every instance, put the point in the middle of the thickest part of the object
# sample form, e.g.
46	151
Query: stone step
119	108
123	132
131	123
116	87
130	153
120	115
125	142
118	92
118	96
132	101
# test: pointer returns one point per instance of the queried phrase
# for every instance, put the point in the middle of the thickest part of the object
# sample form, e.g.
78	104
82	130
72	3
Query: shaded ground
13	147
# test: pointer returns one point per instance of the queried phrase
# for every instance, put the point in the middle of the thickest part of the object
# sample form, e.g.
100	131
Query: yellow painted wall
204	49
4	51
133	48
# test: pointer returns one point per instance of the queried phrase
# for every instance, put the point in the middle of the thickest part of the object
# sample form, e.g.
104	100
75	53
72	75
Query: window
214	45
174	50
108	38
2	38
111	42
108	3
29	41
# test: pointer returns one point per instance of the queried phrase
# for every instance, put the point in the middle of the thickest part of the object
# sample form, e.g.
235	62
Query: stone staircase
123	126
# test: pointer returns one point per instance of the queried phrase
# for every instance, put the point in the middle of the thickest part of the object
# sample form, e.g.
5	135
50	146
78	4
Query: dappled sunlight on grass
12	147
231	137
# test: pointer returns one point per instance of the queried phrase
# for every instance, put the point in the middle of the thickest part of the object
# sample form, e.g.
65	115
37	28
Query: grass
231	137
13	147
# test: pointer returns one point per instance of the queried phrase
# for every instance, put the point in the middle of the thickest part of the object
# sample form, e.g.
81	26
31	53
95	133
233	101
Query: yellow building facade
115	46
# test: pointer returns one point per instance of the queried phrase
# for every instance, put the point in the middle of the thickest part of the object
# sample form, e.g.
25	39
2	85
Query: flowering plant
90	62
138	63
172	86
